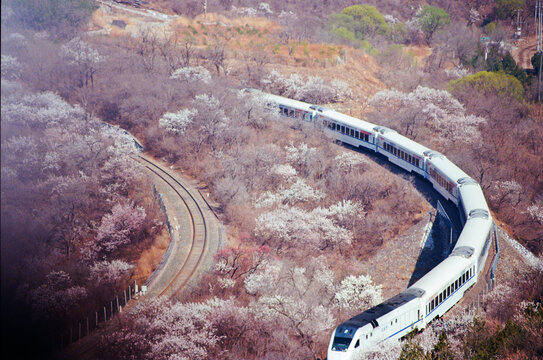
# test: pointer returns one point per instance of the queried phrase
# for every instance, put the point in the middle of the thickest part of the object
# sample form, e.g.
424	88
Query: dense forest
302	213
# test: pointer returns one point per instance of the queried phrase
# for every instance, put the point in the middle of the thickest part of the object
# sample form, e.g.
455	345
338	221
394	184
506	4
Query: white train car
290	108
400	150
347	129
444	175
391	319
441	288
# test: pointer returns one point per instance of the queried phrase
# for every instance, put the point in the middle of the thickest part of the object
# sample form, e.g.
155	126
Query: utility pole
205	7
518	33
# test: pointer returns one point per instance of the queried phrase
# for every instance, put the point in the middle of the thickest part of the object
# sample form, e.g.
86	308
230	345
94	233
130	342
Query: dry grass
151	257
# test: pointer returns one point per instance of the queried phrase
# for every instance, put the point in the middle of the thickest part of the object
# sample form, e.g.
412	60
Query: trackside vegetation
496	83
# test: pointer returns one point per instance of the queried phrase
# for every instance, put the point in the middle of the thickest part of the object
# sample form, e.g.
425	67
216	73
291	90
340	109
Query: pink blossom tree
118	228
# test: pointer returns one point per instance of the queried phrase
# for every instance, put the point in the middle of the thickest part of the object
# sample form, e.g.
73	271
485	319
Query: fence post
79	338
105	315
87	326
111	307
129	293
125	297
97	320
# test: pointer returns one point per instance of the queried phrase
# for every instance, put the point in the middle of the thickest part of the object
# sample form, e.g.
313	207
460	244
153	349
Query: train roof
348	120
473	199
445	272
288	102
371	316
405	143
446	166
470	235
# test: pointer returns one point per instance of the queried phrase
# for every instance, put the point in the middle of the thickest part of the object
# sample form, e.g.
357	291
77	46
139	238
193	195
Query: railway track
190	234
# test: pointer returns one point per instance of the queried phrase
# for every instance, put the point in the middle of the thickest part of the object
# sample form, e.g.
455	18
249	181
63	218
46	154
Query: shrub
431	19
496	83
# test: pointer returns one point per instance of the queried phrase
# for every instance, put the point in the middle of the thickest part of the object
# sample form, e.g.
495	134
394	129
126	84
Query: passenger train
442	287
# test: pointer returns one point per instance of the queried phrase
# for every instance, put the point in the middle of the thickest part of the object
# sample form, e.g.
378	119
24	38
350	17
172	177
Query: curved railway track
183	259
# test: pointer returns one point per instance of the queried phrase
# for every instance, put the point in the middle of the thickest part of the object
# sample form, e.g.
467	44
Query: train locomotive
441	288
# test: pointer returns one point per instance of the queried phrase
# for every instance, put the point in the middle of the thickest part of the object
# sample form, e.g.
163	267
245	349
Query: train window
440	298
291	113
396	321
357	343
352	132
366	336
357	134
342	129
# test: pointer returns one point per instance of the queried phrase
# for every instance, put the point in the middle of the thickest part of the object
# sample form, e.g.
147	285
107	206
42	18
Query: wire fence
86	326
93	321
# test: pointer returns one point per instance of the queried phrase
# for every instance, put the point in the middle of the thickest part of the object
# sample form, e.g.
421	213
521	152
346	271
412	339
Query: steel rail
168	178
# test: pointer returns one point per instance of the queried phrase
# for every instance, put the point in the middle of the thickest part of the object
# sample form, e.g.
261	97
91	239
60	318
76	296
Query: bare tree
177	50
216	52
147	44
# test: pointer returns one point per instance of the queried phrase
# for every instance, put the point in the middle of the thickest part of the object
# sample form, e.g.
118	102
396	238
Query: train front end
341	345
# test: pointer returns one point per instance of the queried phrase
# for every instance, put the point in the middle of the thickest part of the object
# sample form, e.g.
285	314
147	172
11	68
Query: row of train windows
347	131
449	290
440	179
288	112
402	154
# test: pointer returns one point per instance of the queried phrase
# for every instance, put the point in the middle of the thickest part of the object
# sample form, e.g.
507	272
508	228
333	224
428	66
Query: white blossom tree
176	123
295	298
434	109
109	273
118	228
292	227
298	299
313	89
11	67
298	192
356	294
190	74
85	58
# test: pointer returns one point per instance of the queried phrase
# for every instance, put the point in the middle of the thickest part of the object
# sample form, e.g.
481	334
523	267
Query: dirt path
524	52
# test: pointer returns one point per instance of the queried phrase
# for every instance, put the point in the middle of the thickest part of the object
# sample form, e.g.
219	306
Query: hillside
314	231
